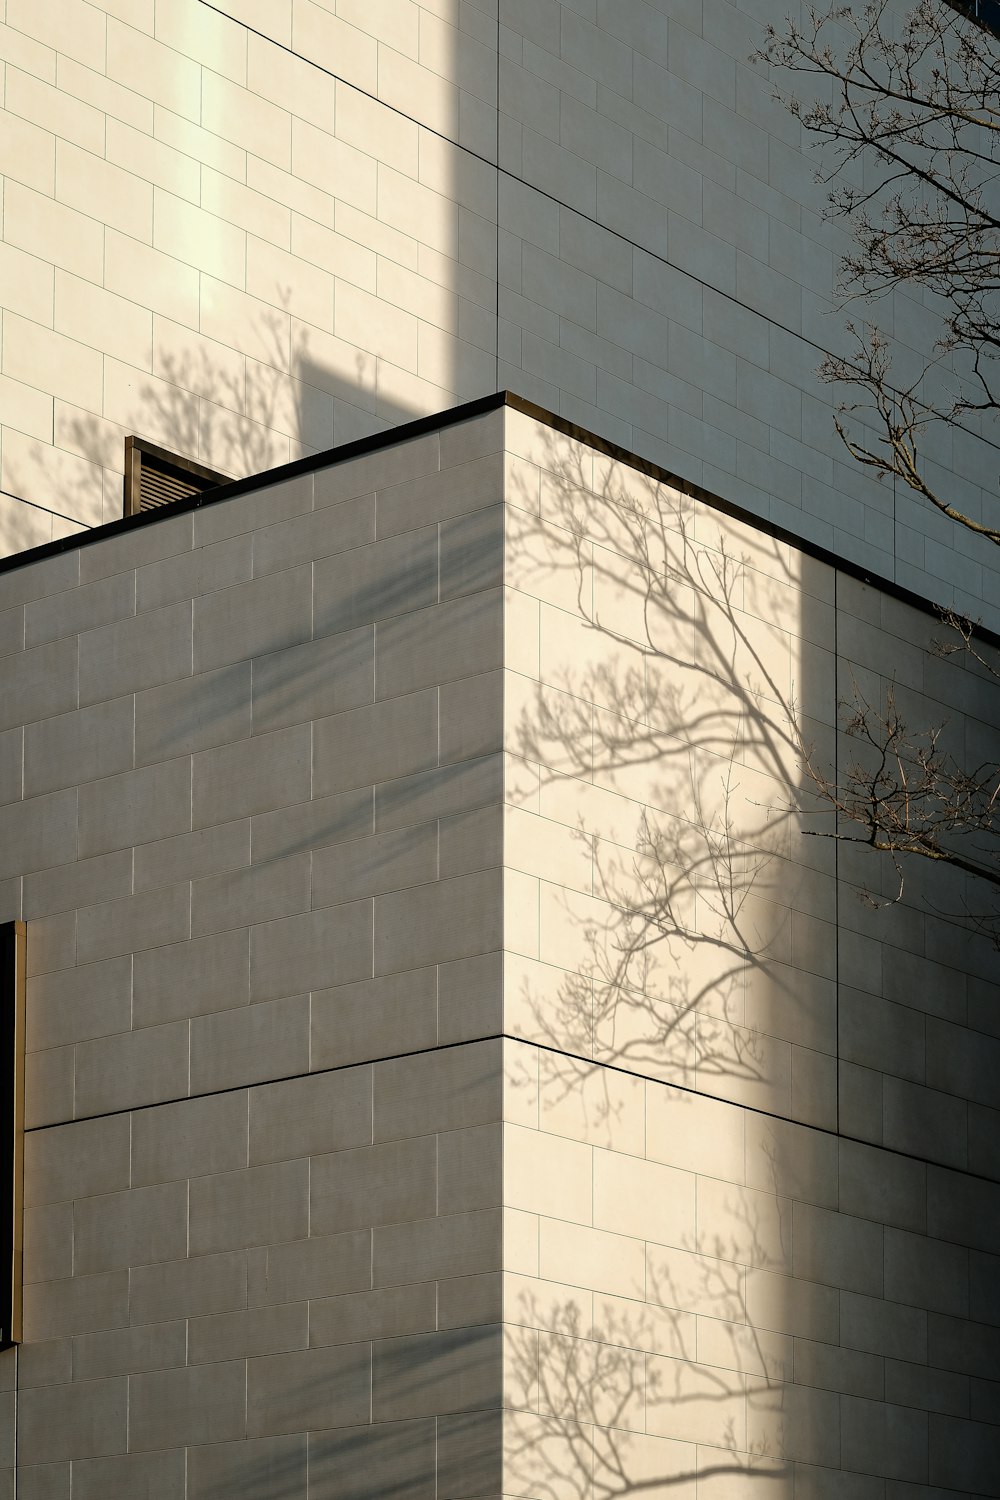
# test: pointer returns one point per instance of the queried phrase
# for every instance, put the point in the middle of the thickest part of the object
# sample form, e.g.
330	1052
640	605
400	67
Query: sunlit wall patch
12	959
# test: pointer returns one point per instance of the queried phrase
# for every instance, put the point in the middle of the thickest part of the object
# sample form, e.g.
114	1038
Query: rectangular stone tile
233	1048
313	951
106	877
884	1328
143	921
134	1068
190	1138
256	1469
191	574
311	1116
879	1438
242	898
40	682
836	1249
386	1312
190	856
252	619
447	920
196	713
38	834
241	1335
125	1351
376	743
82	1420
160	1474
129	656
251	776
313	680
59	1309
437	496
202	1404
71	611
386	1184
135	808
456	1370
314	534
313	825
441	792
449	641
76	747
139	1227
450	1245
378	582
188	1288
317	1267
444	1090
186	979
371	866
264	507
76	1004
363	1463
76	1160
374	1018
312	1388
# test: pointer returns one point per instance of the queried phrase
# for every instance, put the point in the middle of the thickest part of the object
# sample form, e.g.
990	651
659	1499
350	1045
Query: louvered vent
156	477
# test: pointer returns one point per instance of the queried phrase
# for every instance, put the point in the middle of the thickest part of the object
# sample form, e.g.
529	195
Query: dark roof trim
451	418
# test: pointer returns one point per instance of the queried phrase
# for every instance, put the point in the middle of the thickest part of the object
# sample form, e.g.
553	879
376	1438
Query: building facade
454	1066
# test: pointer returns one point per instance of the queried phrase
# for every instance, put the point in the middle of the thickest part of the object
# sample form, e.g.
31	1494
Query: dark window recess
12	949
985	13
155	477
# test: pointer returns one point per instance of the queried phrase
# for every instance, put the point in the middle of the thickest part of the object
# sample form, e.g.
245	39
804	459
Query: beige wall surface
453	1067
250	231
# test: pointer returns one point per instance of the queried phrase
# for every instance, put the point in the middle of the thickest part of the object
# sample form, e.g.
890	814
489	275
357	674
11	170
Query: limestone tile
794	1422
82	1420
261	893
962	1454
248	1334
129	1474
312	825
134	1068
310	1116
187	1288
267	506
446	920
317	1267
196	713
256	1206
740	1346
694	1133
135	807
233	1048
784	1158
441	792
53	944
38	833
374	1460
454	1370
883	1187
471	717
186	979
38	682
48	1242
744	1225
391	1183
76	1160
445	1246
878	1438
254	1468
190	574
390	577
78	747
443	1090
108	877
851	1371
547	1174
374	1018
962	1209
121	658
144	921
925	1389
45	1364
59	1309
138	1227
837	1249
685	1400
388	861
960	1345
578	1255
125	1351
884	1328
375	743
189	1138
69	612
449	641
314	951
189	856
786	1305
386	1312
201	1404
251	776
644	1199
924	1122
252	619
48	1087
137	546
